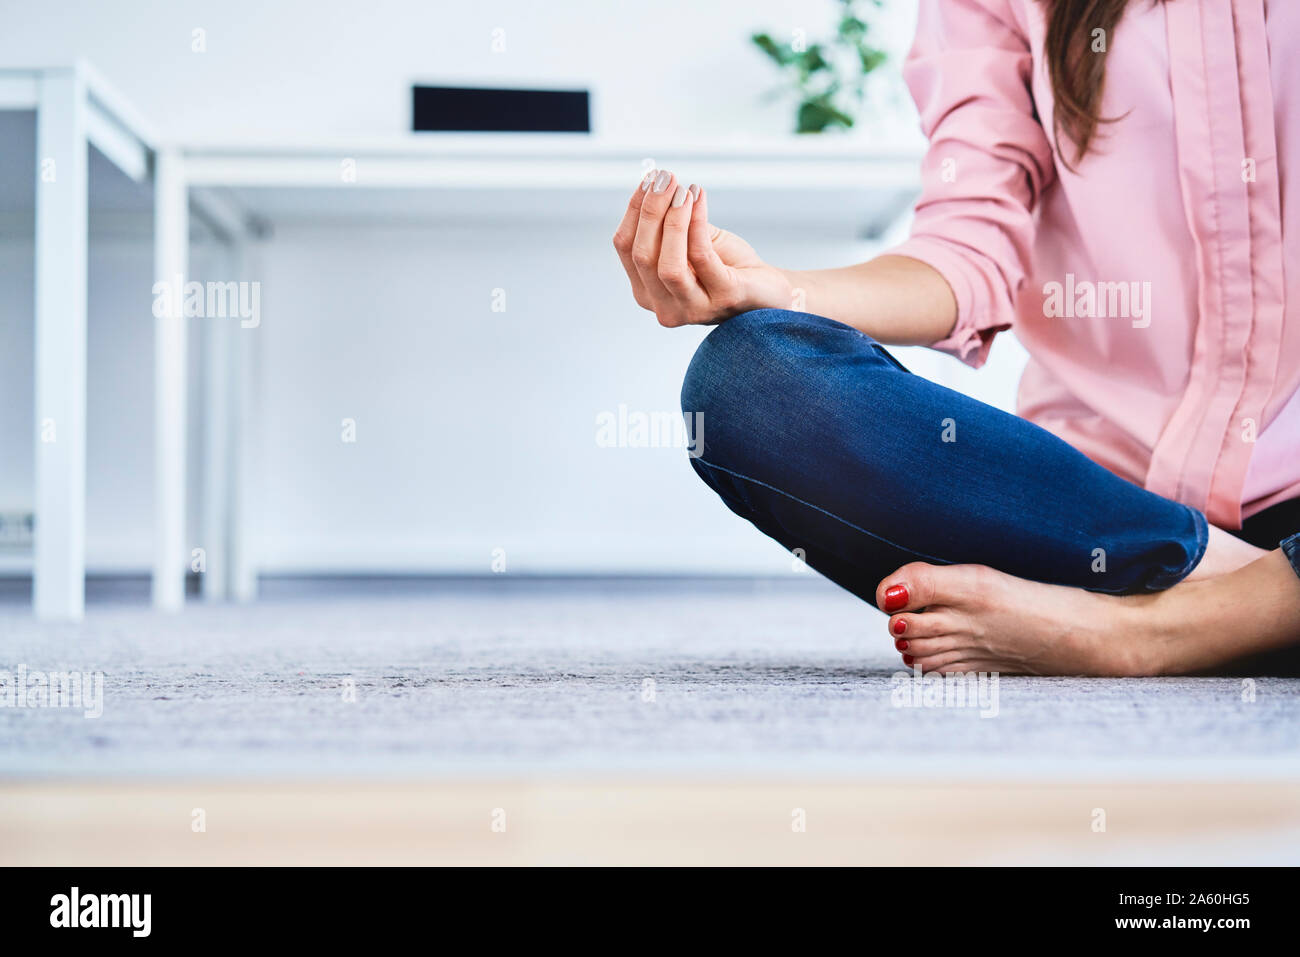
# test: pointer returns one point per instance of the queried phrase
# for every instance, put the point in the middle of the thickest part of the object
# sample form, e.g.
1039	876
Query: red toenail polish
907	660
901	644
900	626
895	597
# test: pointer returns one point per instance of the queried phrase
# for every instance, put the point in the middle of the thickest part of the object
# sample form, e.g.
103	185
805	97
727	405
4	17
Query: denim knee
723	385
738	351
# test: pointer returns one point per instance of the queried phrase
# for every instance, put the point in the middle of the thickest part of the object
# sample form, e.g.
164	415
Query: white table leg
59	571
218	397
245	442
171	257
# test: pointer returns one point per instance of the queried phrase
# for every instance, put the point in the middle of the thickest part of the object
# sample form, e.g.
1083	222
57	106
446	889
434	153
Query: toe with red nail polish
901	644
895	597
900	626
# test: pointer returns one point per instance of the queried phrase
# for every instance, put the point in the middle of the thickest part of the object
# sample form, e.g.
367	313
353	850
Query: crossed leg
994	545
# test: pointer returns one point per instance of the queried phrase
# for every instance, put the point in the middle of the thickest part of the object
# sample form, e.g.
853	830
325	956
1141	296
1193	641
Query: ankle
1151	624
1158	626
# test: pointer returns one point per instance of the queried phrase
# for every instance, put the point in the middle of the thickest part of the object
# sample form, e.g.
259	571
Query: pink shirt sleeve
989	160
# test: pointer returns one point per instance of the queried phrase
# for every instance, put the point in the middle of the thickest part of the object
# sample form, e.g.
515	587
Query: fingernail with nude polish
695	191
895	597
662	180
649	178
679	197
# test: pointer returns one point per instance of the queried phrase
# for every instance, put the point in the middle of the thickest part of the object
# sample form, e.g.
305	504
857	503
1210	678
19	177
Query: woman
1118	181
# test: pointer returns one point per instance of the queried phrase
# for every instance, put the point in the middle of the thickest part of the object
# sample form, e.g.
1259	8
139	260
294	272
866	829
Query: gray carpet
516	675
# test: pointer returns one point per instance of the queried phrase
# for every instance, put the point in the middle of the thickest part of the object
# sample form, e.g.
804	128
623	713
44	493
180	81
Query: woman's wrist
769	287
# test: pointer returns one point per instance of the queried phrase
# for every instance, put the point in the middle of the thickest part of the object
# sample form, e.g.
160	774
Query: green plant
828	77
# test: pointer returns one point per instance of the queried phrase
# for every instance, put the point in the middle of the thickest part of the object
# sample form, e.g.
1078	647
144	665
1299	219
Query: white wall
276	67
475	429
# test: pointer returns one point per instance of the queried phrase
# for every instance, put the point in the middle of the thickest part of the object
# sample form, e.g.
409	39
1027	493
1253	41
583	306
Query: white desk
427	179
243	189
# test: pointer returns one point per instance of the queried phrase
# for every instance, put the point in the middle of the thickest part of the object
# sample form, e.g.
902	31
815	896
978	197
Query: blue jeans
826	443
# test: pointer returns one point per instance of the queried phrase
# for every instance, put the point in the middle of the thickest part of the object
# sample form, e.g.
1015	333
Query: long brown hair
1077	68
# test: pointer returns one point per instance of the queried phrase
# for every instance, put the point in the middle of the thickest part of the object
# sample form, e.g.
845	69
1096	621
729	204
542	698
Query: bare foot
949	618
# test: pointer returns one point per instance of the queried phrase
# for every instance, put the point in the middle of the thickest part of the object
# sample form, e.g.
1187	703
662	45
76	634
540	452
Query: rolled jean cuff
1201	529
1291	549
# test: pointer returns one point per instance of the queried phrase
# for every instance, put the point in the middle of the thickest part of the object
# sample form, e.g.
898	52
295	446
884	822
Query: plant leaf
851	28
812	61
817	114
871	58
776	51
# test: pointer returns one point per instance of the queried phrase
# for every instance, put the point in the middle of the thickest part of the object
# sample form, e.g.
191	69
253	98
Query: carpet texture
510	675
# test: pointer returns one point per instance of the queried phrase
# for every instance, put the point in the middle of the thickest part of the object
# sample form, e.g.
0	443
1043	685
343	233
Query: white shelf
544	162
838	183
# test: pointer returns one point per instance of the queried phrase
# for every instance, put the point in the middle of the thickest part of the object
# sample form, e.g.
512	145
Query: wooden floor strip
619	821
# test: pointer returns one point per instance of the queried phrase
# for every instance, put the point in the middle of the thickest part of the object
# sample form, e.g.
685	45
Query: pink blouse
1157	289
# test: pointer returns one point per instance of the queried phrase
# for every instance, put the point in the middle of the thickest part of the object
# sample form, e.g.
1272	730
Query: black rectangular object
458	109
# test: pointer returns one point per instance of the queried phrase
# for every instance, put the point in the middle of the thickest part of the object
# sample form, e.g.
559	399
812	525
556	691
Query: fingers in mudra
669	251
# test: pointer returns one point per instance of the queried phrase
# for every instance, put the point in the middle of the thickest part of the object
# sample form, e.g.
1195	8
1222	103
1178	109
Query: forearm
894	299
688	271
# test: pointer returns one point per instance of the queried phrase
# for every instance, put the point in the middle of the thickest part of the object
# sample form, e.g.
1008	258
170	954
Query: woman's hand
684	270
